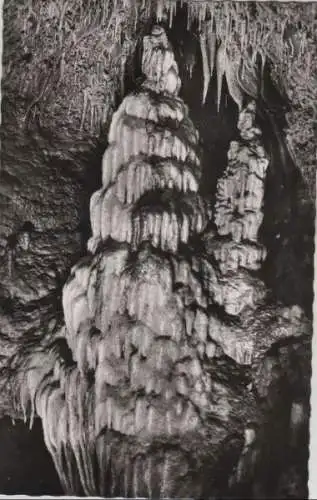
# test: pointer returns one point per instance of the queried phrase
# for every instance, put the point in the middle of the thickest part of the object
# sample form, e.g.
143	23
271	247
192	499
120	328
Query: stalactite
221	64
159	10
235	92
211	43
206	68
172	11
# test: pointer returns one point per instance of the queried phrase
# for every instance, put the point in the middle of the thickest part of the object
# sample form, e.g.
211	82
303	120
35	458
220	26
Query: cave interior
287	232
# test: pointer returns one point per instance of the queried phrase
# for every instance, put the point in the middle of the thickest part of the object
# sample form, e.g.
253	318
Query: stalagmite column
135	376
240	194
153	149
238	217
235	253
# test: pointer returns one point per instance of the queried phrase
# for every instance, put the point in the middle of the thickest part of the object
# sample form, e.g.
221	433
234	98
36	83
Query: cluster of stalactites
152	151
229	43
239	200
56	392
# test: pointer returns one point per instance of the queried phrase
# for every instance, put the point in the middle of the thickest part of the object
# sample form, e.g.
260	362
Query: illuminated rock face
143	311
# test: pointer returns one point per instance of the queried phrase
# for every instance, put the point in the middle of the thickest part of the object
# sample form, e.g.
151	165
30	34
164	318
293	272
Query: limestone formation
146	317
240	194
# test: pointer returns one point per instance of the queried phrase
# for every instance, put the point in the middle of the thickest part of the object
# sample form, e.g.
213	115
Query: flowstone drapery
131	395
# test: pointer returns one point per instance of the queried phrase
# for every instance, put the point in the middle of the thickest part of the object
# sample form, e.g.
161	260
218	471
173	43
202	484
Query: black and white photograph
157	239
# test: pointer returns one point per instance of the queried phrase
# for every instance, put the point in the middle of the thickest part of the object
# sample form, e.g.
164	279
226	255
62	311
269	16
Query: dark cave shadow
92	181
288	225
26	467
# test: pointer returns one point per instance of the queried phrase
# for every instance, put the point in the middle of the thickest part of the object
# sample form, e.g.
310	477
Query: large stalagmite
138	410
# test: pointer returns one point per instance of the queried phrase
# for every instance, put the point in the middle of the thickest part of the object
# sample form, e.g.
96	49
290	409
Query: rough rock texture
150	318
168	323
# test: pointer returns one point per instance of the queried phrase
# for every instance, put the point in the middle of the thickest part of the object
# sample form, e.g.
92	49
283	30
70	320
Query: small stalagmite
240	191
238	216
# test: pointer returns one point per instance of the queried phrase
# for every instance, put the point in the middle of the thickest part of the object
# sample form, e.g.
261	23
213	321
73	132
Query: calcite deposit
240	194
148	315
